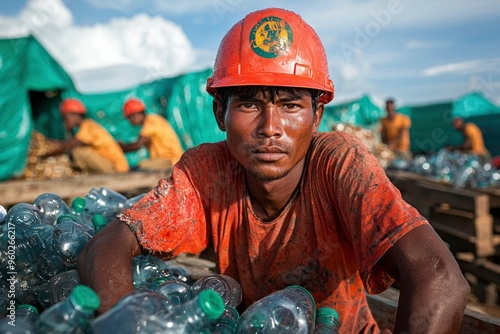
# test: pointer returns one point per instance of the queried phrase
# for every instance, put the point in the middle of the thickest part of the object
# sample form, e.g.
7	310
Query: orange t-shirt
392	127
472	132
340	221
95	136
164	143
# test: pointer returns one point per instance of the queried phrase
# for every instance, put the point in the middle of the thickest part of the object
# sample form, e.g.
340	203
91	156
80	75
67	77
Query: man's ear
318	115
219	113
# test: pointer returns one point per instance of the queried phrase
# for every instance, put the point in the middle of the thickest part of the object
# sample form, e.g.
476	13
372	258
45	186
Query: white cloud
143	46
464	67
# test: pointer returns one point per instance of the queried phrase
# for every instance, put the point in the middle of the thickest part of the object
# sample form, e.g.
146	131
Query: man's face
269	138
137	118
71	120
390	108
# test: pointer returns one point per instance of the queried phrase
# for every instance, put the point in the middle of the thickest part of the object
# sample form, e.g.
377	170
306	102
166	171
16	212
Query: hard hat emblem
271	37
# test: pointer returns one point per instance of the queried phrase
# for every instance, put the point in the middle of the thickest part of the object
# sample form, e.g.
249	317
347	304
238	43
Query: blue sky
414	51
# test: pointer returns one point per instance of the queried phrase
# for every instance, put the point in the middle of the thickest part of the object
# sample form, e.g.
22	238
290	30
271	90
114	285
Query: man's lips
268	153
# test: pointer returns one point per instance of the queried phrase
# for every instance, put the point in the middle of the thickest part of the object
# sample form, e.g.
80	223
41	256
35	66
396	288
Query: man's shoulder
208	151
334	141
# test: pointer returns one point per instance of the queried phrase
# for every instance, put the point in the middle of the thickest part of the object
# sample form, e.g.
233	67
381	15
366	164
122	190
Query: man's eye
290	106
248	105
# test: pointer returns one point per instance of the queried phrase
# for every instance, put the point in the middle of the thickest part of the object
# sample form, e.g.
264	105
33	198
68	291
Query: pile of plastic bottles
460	170
41	292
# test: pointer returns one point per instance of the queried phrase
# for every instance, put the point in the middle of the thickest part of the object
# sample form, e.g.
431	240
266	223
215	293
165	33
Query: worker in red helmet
282	204
91	146
156	135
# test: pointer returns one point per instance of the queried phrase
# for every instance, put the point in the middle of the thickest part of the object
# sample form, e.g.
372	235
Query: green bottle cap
85	298
325	314
211	303
98	221
78	204
29	307
62	218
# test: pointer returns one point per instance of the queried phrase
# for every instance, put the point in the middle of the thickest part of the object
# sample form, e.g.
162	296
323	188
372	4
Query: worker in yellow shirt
395	130
473	138
91	146
156	135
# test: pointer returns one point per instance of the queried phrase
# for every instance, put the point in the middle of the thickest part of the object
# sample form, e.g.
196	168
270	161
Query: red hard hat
133	106
272	47
72	105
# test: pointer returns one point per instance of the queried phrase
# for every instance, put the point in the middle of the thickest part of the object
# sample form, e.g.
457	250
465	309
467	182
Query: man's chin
267	175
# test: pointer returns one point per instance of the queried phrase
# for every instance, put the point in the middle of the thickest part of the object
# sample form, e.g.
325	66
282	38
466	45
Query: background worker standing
473	138
156	135
91	146
395	130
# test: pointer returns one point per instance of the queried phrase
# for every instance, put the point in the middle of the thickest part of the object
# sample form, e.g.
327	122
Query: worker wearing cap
156	135
282	204
91	146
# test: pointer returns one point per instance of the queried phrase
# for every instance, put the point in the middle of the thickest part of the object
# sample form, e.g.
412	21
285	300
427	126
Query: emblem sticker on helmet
271	37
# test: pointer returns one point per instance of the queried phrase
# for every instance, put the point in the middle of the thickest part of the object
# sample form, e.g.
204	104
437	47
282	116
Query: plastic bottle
188	318
71	315
327	321
4	301
179	272
61	285
51	206
177	291
23	323
131	201
225	324
49	263
21	216
3	215
291	310
153	285
147	268
104	201
69	237
127	316
227	287
78	213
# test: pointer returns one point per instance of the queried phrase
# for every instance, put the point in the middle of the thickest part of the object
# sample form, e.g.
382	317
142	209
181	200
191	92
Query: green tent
25	66
361	112
33	84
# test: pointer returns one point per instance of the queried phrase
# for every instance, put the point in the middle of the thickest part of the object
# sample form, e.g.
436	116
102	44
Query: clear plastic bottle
3	215
51	206
188	318
61	285
147	268
291	310
227	287
105	202
69	237
127	316
327	321
225	324
177	291
153	285
78	213
4	301
23	323
71	315
21	216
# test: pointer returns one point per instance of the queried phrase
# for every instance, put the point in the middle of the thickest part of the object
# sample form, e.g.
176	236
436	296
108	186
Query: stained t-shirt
341	219
100	140
164	143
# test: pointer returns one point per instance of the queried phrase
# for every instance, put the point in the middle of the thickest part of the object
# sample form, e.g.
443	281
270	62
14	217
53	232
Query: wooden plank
483	269
434	193
18	191
384	307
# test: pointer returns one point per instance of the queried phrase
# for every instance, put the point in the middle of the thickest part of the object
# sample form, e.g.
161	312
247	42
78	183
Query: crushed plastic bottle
51	206
227	287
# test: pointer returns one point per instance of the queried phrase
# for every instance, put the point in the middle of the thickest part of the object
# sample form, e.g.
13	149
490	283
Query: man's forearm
105	265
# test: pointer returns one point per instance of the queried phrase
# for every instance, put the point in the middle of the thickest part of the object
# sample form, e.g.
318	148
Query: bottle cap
29	307
211	303
85	298
98	221
62	218
78	204
325	314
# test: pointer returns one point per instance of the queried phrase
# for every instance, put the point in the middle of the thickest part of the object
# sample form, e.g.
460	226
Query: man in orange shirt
395	130
91	147
156	134
282	204
473	138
